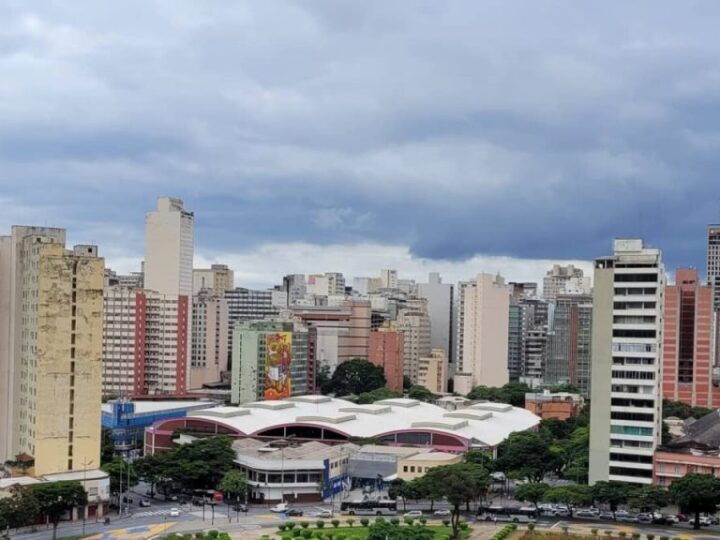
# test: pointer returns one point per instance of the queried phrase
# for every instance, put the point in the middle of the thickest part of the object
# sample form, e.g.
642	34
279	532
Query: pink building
687	342
387	350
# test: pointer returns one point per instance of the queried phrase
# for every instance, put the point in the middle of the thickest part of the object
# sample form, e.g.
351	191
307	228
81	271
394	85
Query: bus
376	507
504	513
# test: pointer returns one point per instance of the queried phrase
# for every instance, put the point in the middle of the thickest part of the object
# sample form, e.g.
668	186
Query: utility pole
85	464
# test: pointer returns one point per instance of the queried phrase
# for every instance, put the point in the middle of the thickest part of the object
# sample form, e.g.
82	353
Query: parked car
292	512
645	517
442	513
413	514
240	507
324	514
682	517
585	513
627	518
606	515
144	504
280	508
662	519
174	512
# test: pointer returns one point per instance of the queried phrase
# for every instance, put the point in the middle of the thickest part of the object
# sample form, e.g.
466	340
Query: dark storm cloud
527	129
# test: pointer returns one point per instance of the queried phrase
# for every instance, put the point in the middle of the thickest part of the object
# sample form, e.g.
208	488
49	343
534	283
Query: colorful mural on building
278	382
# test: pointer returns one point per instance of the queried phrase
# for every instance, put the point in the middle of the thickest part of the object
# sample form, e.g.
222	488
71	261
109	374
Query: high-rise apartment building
387	350
217	279
328	284
565	280
483	320
413	321
569	350
626	412
295	287
688	342
433	371
210	338
247	305
388	279
439	298
713	263
270	361
527	338
50	351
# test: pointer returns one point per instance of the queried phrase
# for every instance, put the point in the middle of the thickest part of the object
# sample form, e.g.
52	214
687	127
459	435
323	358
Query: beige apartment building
433	371
210	329
217	279
50	358
484	311
414	322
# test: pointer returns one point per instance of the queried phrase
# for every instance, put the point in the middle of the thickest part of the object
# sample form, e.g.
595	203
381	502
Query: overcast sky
324	135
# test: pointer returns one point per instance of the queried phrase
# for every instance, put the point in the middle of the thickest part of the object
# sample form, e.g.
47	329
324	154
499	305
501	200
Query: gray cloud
528	130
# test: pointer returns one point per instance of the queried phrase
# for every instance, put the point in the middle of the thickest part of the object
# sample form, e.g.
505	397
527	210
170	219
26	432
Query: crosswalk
148	513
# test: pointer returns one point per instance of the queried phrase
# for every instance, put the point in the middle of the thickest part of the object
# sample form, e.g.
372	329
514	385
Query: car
293	512
240	507
324	514
644	517
585	513
144	504
627	518
280	508
442	513
664	520
606	515
413	514
682	517
174	512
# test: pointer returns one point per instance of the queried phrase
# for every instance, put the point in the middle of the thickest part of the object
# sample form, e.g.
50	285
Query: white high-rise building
565	280
483	315
439	297
626	395
713	263
389	279
169	249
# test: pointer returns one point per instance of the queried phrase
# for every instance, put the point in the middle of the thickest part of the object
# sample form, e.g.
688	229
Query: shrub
608	534
379	519
664	538
364	522
335	523
350	522
594	532
304	524
446	522
306	534
650	536
423	521
464	526
199	535
395	521
290	525
319	523
213	534
282	527
636	536
622	534
531	526
409	521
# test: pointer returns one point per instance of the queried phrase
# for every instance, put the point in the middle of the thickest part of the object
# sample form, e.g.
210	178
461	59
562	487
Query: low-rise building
281	471
560	405
375	465
698	451
415	466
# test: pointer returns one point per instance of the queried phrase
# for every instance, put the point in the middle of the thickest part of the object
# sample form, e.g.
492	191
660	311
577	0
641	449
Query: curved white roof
482	424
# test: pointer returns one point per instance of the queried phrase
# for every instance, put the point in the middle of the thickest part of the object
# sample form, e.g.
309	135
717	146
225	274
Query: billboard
278	355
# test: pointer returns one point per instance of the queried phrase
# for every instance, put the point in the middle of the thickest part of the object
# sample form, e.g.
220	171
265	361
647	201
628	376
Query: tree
355	377
55	499
526	455
532	492
572	454
202	463
234	483
682	411
377	395
612	493
428	487
460	483
107	446
407	382
696	493
478	457
512	393
566	388
151	469
323	378
571	495
122	474
20	509
649	498
421	393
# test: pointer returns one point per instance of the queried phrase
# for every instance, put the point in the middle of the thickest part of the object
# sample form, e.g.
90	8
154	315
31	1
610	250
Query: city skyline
365	130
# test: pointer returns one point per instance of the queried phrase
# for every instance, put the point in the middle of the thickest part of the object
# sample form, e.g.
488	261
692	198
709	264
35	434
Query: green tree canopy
57	498
355	377
526	455
20	509
565	387
695	493
682	410
512	393
532	492
421	393
572	495
612	493
120	472
649	498
377	395
151	469
234	484
478	457
202	463
385	530
459	484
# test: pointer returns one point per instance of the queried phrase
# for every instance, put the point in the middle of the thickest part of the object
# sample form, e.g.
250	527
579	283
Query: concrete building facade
688	343
414	323
483	332
565	280
210	339
626	396
50	361
433	371
440	297
218	279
